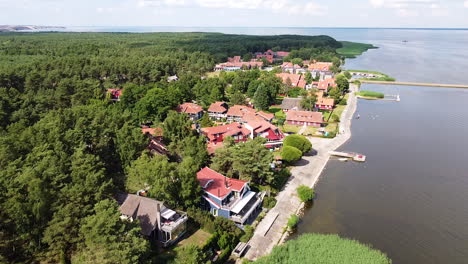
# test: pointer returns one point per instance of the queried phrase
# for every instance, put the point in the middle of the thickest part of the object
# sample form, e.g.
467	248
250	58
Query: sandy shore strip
307	171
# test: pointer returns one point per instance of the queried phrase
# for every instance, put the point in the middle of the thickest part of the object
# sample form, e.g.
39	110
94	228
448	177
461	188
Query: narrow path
307	171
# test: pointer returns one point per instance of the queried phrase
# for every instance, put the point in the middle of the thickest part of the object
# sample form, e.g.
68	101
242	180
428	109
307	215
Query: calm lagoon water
410	199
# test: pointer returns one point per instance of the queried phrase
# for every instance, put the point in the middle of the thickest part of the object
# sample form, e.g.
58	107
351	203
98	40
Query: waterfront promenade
270	230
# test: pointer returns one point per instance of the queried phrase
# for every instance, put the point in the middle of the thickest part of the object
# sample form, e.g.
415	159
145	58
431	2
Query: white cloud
407	13
377	3
277	6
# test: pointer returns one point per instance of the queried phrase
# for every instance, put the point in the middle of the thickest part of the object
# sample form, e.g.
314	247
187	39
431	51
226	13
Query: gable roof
296	79
217	184
239	110
189	108
291	103
305	116
228	130
146	210
218	107
324	100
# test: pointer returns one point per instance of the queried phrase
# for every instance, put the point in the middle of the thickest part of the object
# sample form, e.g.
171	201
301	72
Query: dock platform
354	156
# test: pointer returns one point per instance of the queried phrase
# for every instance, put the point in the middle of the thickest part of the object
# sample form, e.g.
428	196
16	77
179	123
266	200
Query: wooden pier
354	156
417	84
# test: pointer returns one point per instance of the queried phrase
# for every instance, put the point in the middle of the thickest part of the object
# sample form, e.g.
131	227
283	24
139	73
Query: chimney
158	216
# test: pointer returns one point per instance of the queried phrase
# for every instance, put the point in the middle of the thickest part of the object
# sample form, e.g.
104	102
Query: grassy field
353	49
309	131
213	74
197	238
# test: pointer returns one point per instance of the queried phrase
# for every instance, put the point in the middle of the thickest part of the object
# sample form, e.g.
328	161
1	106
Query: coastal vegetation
353	49
379	76
293	221
306	194
290	154
326	249
370	95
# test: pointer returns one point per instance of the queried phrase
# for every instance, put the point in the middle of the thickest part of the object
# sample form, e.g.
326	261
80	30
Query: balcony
247	210
174	222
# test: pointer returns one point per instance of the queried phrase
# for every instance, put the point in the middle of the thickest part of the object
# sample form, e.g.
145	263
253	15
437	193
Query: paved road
306	172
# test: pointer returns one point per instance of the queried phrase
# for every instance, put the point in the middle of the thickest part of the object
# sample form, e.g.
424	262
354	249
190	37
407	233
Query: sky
237	13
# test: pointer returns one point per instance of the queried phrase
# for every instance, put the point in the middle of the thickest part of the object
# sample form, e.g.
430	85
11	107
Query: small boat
343	159
405	41
358	116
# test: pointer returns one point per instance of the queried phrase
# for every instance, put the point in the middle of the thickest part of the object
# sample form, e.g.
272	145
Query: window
215	212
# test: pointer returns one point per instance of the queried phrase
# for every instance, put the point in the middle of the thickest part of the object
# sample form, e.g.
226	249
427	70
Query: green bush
324	249
290	154
249	231
343	102
280	179
269	202
335	118
305	193
293	221
299	142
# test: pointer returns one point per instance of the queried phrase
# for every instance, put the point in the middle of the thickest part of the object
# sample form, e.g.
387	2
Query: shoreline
271	230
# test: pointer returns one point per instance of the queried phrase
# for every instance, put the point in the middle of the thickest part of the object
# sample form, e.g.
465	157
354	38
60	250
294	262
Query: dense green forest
65	150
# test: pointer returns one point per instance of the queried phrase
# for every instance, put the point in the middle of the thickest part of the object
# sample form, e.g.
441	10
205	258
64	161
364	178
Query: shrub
203	218
290	154
325	249
335	118
269	202
305	193
249	230
293	221
280	179
343	102
299	142
226	240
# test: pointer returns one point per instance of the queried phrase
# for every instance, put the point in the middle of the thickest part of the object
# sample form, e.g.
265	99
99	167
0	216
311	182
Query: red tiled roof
320	66
228	130
304	116
189	108
325	101
217	107
239	110
217	184
295	78
267	116
213	146
154	131
115	92
282	53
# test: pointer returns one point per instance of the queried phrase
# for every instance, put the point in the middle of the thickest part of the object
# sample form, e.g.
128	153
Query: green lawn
198	238
353	49
309	131
384	77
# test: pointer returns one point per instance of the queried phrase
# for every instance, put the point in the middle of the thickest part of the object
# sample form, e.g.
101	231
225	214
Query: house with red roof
324	103
236	112
304	118
320	66
326	84
218	110
155	135
236	63
266	130
115	94
235	130
194	111
227	197
295	80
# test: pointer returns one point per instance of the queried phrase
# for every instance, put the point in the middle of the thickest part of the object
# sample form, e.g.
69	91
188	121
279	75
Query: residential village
309	106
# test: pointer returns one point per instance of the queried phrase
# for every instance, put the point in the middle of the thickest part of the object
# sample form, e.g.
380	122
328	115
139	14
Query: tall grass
371	94
324	249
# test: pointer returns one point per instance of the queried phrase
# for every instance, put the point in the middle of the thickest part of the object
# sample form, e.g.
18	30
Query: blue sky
242	13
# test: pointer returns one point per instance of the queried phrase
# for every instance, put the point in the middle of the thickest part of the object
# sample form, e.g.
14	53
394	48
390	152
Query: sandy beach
307	171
